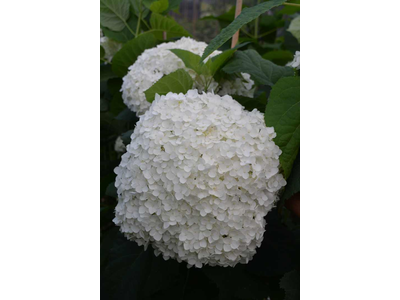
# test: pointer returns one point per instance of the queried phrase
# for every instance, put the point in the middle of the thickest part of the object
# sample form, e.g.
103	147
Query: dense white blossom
110	46
198	178
296	61
119	145
156	62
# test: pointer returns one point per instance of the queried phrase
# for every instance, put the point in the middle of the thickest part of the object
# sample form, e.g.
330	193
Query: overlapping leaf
283	113
160	23
114	13
175	82
261	70
128	54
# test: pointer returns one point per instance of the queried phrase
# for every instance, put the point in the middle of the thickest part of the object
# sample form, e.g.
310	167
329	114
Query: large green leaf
191	60
159	6
293	182
247	15
261	70
294	28
160	23
128	54
125	34
283	113
279	57
114	13
176	82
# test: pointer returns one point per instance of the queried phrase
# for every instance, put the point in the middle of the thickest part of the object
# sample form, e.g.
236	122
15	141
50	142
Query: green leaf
289	10
117	104
294	28
159	6
176	82
174	4
114	13
261	70
106	72
247	15
279	57
159	24
258	103
111	190
102	52
191	60
219	60
140	7
283	113
126	115
126	137
293	182
128	54
125	34
290	282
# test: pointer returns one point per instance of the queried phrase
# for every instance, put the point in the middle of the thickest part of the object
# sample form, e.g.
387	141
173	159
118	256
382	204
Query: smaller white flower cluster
240	86
156	62
296	61
119	145
197	179
110	46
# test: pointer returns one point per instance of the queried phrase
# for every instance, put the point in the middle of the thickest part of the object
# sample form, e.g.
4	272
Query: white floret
119	145
197	179
110	47
296	61
156	62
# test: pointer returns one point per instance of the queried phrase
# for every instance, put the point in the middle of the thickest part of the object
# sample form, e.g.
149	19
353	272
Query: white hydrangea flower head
296	61
119	145
110	46
197	179
156	62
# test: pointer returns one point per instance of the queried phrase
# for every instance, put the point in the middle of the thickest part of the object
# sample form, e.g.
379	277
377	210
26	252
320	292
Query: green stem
145	23
268	32
291	4
256	24
247	33
140	17
130	29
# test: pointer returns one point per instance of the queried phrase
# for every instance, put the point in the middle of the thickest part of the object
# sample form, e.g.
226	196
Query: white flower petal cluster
197	179
240	86
296	61
156	62
119	145
110	46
